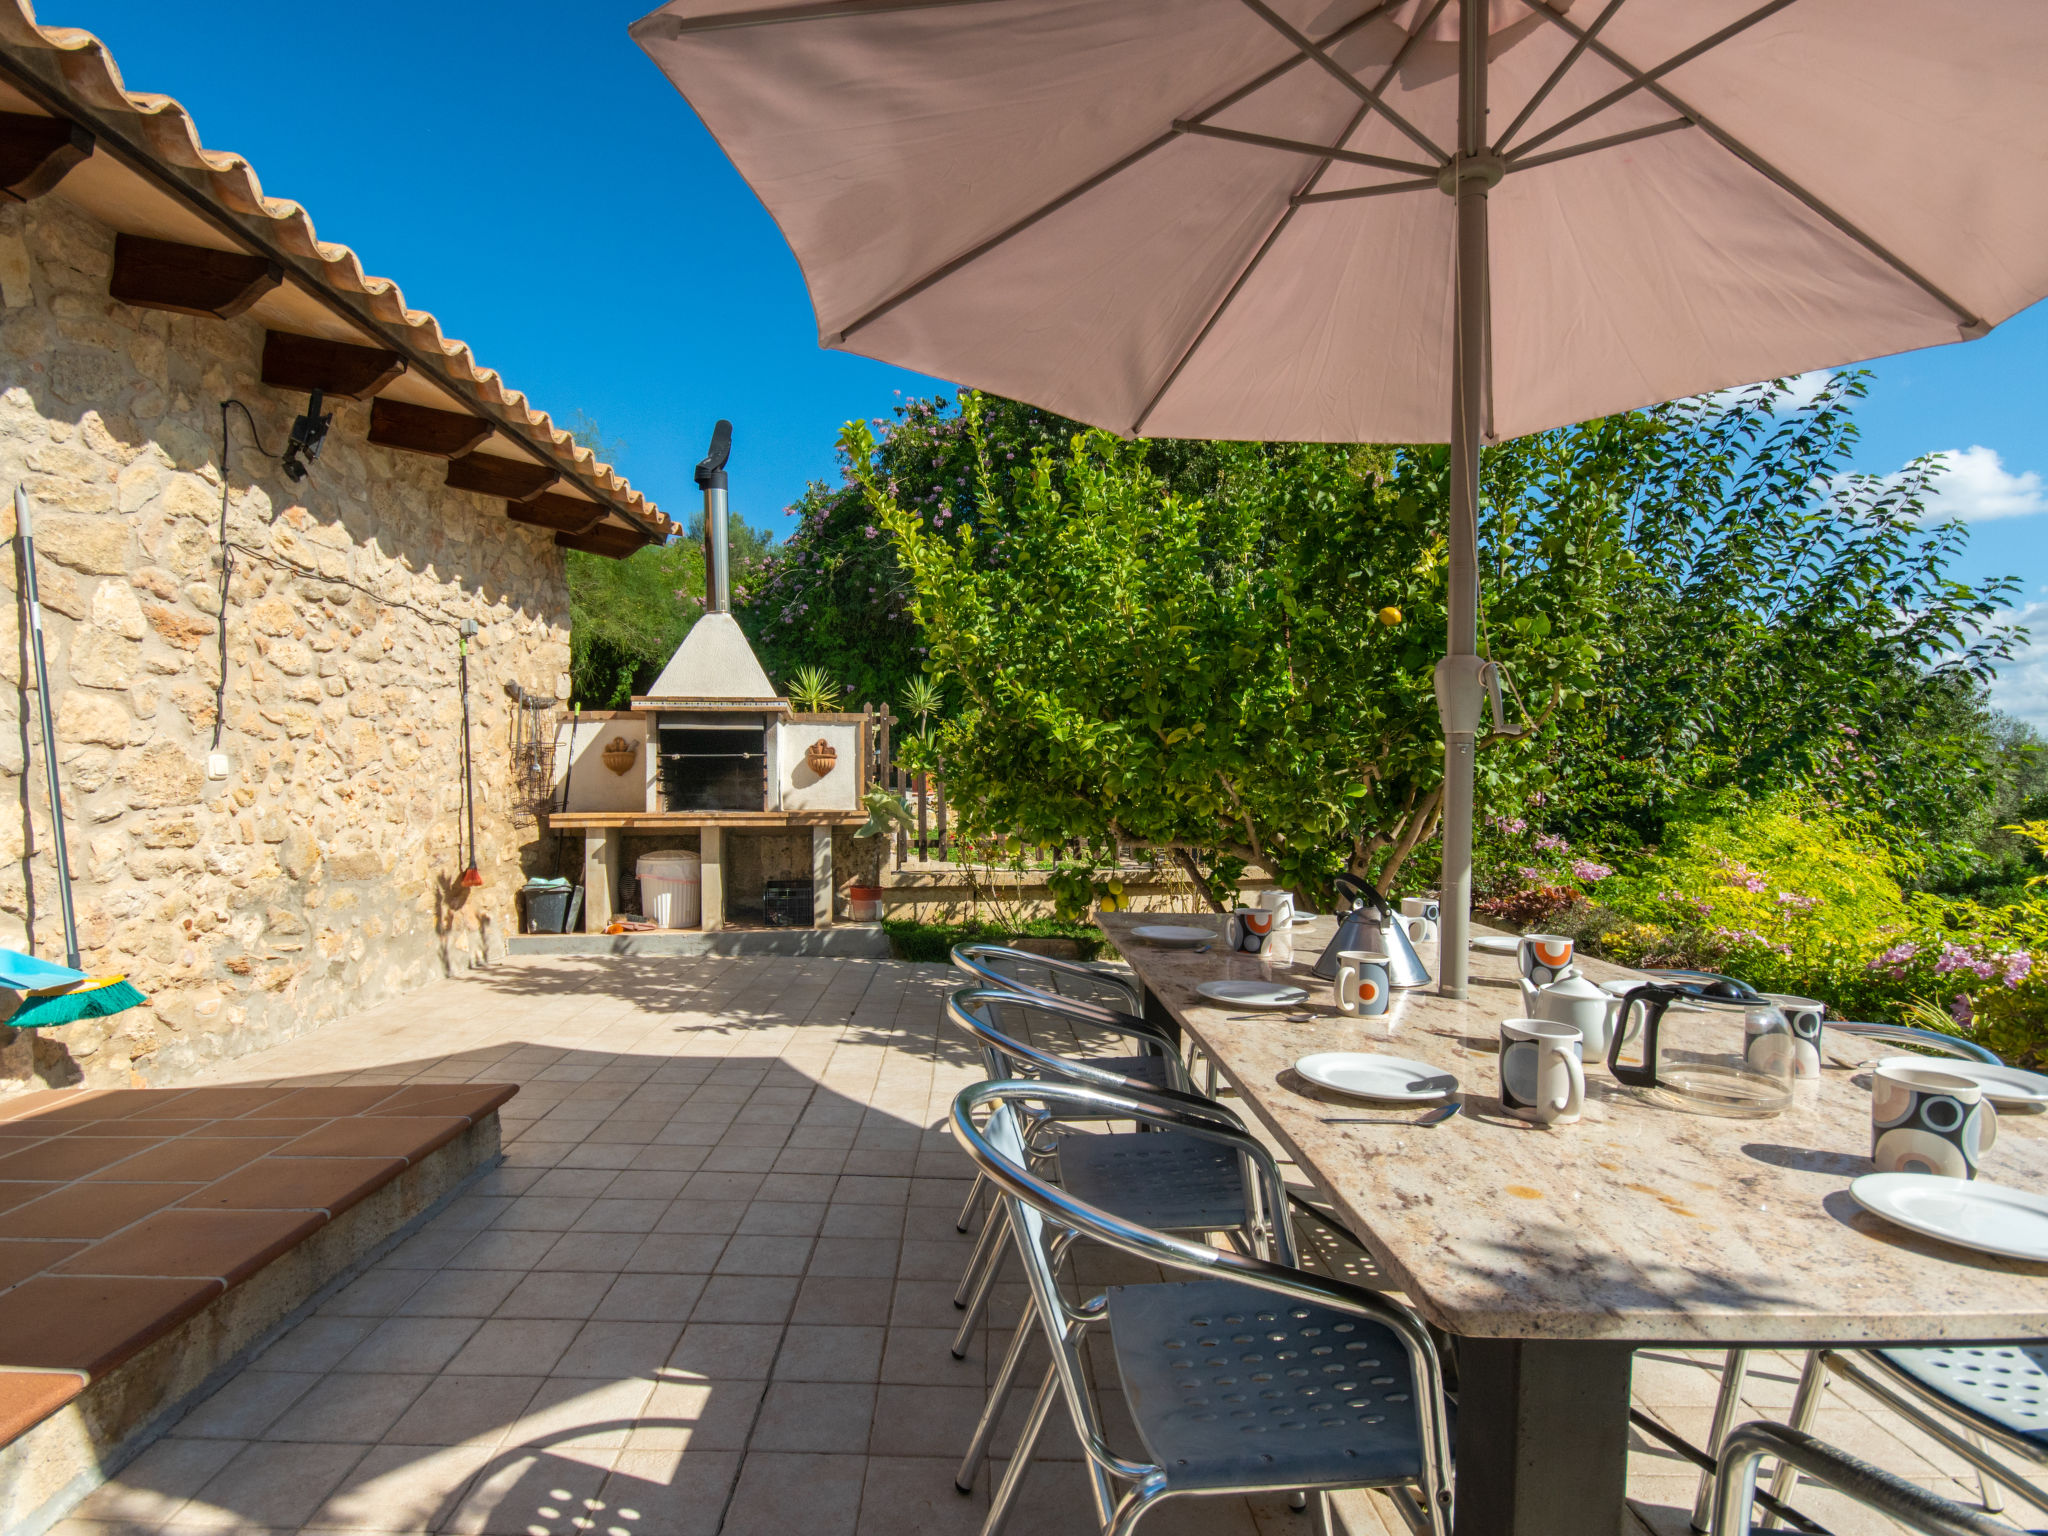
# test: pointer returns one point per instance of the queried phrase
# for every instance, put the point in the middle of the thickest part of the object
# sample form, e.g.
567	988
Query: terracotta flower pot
820	757
620	755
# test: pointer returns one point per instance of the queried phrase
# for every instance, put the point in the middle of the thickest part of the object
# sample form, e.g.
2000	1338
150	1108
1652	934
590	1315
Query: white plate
1496	943
2012	1223
1173	936
1624	985
1252	994
2006	1087
1371	1076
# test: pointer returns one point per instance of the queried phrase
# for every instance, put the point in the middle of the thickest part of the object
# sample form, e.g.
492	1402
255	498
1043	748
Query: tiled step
149	1236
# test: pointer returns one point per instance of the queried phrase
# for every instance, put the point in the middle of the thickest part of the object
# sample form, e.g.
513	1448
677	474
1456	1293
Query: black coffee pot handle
1366	896
1654	1000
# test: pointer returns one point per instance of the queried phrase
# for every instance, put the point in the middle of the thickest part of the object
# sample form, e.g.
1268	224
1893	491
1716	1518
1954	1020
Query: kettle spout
1529	995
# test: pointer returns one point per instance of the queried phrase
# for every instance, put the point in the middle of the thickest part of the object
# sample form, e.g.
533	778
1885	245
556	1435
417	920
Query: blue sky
525	173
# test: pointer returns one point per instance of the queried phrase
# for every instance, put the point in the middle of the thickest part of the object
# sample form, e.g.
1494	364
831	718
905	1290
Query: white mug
1425	907
1542	1071
1364	983
1279	902
1421	930
1925	1120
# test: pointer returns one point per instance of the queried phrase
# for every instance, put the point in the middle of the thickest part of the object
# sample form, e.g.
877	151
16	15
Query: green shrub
933	942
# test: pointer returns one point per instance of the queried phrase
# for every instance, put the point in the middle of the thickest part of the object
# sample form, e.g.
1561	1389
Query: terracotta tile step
29	1397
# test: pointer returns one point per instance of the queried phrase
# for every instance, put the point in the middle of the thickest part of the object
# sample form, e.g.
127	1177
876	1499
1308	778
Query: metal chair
1964	1398
998	965
1736	1364
1169	1180
1114	998
1912	1506
1256	1377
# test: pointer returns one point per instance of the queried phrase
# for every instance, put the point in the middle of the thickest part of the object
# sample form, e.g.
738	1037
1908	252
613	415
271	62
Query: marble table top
1639	1223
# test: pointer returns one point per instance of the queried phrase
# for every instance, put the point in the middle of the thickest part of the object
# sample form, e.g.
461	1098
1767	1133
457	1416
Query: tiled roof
174	180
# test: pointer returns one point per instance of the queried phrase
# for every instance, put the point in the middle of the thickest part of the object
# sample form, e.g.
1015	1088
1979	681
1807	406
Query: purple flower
1550	842
1514	826
1895	959
1586	869
869	530
1539	876
1792	902
2018	967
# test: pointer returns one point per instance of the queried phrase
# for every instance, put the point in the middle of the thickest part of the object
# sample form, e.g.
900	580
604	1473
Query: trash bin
547	905
671	889
787	904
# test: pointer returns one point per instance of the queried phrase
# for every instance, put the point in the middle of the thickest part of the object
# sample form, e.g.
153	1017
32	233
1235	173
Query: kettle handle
1654	1000
1366	896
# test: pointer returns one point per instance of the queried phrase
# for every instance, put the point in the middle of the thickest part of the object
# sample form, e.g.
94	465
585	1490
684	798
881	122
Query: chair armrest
973	959
1075	1069
1929	1039
1872	1487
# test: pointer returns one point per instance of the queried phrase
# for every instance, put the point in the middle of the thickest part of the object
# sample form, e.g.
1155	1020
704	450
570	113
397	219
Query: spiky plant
813	692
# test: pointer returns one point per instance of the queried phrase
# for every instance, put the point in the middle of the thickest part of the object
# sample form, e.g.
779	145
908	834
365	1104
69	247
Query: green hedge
933	942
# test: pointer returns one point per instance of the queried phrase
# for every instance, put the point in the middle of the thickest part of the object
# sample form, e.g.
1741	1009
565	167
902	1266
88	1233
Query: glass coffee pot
1695	1048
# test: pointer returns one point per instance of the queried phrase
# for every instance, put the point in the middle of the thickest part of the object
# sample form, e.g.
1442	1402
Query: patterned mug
1544	957
1250	929
1924	1120
1364	983
1542	1071
1800	1039
1425	907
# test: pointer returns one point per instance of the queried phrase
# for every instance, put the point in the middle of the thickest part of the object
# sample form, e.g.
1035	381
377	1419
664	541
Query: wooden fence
925	794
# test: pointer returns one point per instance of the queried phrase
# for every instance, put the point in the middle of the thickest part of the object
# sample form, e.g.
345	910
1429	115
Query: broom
97	997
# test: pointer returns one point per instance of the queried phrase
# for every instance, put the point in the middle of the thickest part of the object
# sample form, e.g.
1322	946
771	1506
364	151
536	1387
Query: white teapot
1575	1001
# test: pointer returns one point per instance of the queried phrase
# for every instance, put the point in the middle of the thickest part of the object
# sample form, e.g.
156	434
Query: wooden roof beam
189	279
35	152
422	429
615	542
563	514
332	367
514	479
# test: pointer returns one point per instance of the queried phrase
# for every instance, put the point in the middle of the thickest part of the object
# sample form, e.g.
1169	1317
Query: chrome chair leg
991	1234
966	1219
1813	1386
1989	1494
998	1400
1020	1459
1734	1371
982	1287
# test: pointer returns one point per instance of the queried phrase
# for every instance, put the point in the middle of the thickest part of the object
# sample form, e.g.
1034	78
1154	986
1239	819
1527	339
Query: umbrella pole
1458	676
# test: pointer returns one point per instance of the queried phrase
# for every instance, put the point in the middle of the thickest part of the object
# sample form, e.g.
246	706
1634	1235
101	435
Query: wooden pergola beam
189	279
35	152
422	429
514	479
335	368
562	514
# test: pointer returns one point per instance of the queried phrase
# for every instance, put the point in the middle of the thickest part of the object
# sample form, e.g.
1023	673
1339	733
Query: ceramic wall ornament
621	754
821	757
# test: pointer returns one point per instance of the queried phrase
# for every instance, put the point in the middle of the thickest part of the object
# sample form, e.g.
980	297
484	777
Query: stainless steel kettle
1371	924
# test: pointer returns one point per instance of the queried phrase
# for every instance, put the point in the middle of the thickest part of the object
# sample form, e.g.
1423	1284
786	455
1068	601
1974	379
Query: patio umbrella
1407	221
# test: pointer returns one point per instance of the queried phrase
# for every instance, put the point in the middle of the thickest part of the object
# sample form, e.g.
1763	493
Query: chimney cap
711	468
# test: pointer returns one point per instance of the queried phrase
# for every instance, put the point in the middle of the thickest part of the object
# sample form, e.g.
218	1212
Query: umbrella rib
1564	66
1972	324
668	26
1654	130
1345	78
1383	189
1642	79
1302	147
1326	154
1045	210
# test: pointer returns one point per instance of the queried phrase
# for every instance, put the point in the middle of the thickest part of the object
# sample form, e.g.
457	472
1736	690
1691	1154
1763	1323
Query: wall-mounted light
308	432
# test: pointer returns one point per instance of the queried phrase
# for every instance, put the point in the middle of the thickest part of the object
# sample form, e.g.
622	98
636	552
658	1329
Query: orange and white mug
1544	957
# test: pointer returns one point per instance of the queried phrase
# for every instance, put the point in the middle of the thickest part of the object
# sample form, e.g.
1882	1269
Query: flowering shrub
1793	898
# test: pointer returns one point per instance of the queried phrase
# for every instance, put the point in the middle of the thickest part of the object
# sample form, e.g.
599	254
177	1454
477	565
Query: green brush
96	999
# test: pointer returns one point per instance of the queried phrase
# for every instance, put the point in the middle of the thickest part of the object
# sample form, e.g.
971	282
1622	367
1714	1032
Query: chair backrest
998	965
1872	1487
999	1020
1027	1192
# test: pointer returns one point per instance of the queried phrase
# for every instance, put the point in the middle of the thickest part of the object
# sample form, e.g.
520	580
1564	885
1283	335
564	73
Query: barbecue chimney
711	481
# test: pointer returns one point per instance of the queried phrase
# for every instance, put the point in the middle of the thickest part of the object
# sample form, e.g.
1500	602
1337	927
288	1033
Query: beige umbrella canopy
1412	221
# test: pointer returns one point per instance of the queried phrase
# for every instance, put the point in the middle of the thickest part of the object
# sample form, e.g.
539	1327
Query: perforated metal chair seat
1152	1071
2006	1388
1167	1180
1232	1387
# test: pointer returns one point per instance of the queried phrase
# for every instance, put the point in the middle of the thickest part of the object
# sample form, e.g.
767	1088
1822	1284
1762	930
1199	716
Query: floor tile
665	1493
725	1351
245	1405
513	1347
269	1485
815	1416
455	1410
348	1406
614	1349
811	1353
778	1494
410	1344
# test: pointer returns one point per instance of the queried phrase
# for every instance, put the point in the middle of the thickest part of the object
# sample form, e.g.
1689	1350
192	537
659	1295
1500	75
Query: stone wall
320	875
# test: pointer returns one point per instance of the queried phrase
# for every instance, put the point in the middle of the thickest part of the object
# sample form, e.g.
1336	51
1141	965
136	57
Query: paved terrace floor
707	1294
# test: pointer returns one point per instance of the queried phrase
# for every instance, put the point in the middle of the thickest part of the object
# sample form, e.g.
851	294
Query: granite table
1551	1253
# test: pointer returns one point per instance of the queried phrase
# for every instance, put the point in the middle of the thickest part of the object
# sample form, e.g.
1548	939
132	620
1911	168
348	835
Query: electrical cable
220	687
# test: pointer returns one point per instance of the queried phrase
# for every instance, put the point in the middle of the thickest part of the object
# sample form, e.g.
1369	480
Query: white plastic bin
671	889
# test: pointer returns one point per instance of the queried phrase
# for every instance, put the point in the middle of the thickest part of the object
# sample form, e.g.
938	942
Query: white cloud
1800	391
1975	486
2021	687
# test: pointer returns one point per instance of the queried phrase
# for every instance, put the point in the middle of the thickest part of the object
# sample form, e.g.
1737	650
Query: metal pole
471	876
1458	678
26	534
